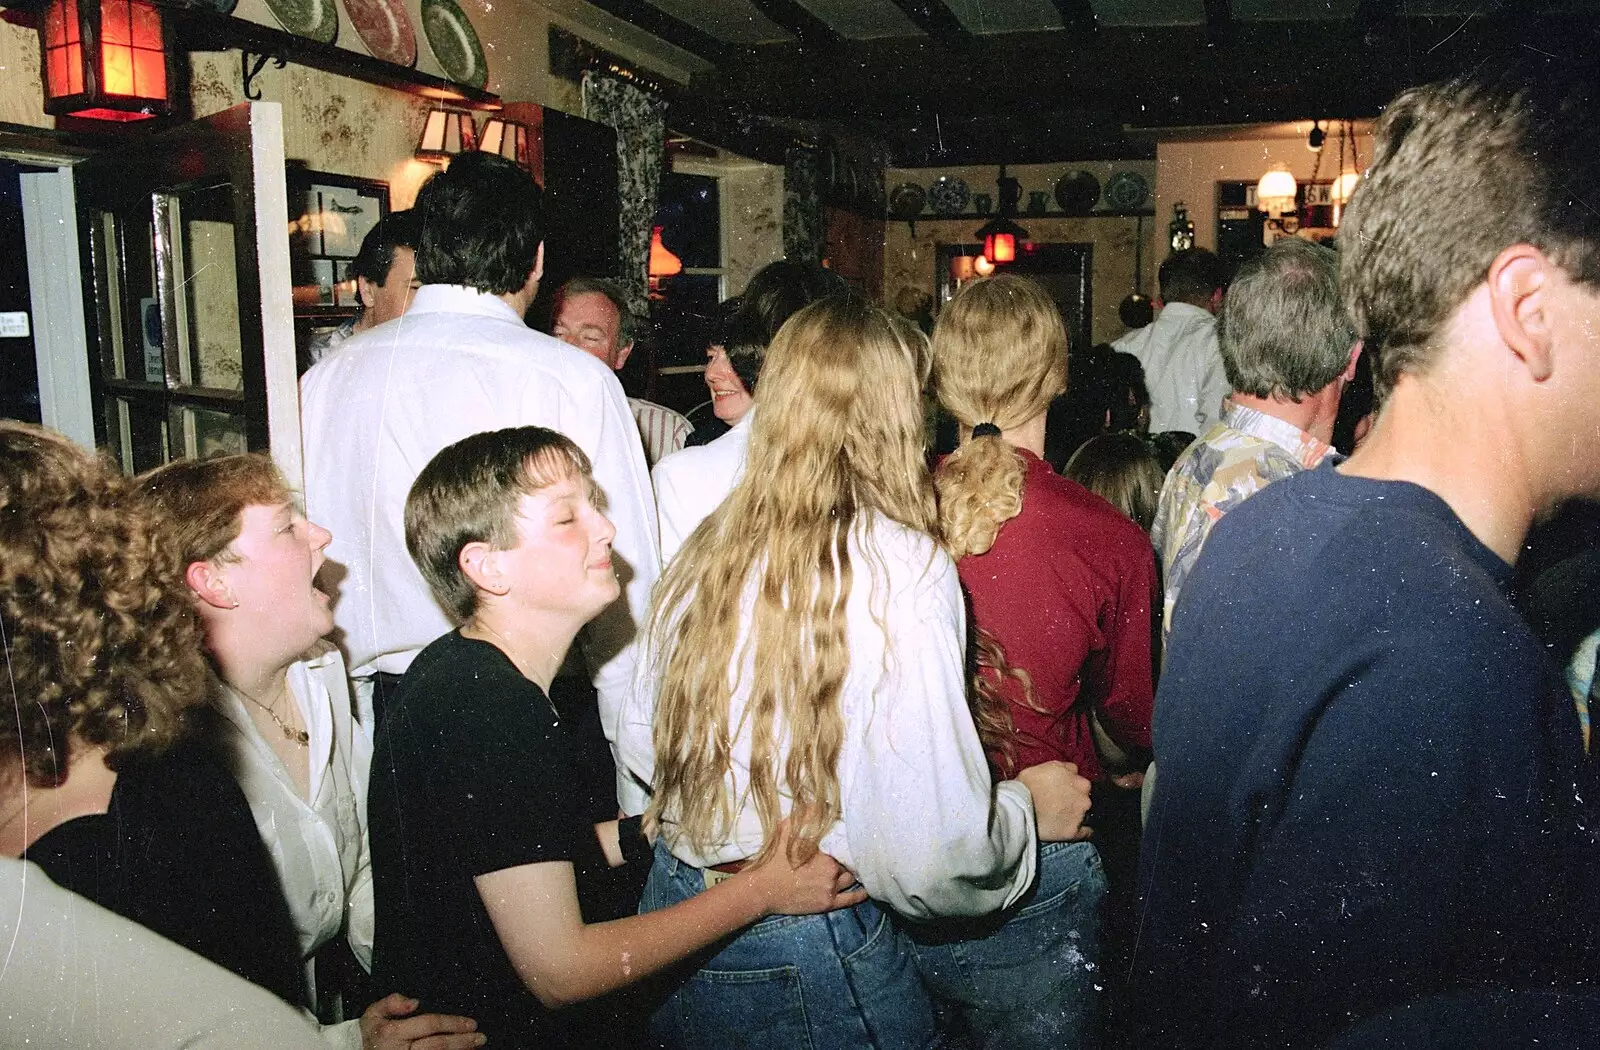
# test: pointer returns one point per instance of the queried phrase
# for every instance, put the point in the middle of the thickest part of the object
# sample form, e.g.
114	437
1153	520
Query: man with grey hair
592	314
1289	350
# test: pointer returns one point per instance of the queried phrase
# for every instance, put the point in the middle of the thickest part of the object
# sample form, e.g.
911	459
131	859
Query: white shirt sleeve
606	432
82	976
1214	386
929	833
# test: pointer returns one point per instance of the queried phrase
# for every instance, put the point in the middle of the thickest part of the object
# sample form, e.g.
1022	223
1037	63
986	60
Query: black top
471	774
1371	781
178	852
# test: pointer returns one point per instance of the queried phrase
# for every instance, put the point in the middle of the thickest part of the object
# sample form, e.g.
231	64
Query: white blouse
923	827
318	847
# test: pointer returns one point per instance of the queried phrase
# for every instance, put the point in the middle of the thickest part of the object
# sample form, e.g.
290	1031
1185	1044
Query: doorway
19	370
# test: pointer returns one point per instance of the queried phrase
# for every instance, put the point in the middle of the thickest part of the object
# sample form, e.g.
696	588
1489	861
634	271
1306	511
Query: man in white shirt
459	362
1182	365
592	314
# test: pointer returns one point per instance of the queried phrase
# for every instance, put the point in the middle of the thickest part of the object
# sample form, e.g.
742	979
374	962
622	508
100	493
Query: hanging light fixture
446	133
1275	193
508	139
106	60
1001	233
982	266
1344	187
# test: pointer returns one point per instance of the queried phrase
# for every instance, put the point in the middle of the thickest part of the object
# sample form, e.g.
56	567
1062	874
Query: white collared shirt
318	844
923	826
457	363
1182	368
692	483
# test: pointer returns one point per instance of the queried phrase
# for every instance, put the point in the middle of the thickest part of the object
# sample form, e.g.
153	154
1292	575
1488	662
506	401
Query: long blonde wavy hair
999	356
837	435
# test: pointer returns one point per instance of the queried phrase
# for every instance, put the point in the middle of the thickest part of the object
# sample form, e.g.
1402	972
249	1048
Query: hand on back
388	1025
1060	800
820	884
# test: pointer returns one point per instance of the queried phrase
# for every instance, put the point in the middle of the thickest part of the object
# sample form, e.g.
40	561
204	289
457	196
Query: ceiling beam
1077	16
939	22
811	31
659	24
1219	20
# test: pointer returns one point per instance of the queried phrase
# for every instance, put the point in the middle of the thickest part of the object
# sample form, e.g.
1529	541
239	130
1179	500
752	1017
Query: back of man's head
1461	171
1191	276
398	229
481	222
1283	330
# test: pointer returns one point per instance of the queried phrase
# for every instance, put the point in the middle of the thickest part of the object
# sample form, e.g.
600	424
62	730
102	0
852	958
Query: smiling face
561	563
729	399
270	569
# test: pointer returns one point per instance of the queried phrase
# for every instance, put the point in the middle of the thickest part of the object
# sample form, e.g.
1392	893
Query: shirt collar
1307	450
459	299
1183	312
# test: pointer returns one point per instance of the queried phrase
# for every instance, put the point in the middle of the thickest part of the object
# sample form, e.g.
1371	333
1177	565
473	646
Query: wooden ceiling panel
1150	12
731	21
863	19
1005	16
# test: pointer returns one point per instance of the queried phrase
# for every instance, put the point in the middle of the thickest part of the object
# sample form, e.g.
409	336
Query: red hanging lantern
106	60
1000	247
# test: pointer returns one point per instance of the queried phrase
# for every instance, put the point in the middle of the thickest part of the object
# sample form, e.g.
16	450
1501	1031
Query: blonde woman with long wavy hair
805	664
1064	584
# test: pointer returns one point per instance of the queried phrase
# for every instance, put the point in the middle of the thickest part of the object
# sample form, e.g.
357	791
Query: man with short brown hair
1373	785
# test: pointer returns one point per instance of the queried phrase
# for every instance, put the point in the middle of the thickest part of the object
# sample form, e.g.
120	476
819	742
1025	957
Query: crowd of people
931	702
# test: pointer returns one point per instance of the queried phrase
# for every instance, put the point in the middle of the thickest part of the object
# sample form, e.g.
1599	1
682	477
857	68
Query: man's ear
620	358
210	585
1217	295
366	293
1350	366
481	564
1520	282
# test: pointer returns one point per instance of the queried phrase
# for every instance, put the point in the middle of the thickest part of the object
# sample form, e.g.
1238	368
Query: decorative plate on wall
907	200
386	29
948	195
454	42
1077	193
315	19
1127	191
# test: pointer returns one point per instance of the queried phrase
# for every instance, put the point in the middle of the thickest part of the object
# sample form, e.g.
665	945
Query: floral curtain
640	120
802	206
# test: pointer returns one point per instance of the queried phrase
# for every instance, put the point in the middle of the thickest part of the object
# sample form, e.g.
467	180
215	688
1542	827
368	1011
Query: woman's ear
210	584
481	564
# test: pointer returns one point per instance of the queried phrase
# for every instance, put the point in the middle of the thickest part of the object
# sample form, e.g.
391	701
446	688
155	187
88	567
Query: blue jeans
1026	977
815	982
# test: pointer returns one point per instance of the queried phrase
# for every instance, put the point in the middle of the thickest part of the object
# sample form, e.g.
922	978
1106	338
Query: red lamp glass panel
105	59
1000	247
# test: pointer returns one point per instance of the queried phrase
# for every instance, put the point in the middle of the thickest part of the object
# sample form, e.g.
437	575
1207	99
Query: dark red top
1067	590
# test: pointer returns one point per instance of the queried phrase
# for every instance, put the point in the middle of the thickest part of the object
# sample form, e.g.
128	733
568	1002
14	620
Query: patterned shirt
1234	460
662	430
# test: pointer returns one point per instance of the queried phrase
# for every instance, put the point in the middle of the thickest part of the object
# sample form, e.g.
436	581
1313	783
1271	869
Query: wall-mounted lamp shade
447	133
1344	187
961	268
663	263
105	60
1275	193
508	139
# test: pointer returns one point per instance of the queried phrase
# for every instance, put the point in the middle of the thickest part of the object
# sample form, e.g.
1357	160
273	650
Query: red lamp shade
106	60
1000	247
663	262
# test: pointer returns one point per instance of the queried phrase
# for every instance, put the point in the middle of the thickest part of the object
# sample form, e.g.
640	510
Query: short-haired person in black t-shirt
477	828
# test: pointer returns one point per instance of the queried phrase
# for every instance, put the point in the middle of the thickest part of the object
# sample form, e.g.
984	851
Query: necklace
299	736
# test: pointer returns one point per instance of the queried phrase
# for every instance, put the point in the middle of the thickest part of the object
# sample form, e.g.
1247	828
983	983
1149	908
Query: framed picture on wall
329	215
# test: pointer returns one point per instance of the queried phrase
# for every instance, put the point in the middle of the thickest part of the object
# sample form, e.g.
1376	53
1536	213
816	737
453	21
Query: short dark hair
776	293
1520	146
398	229
1191	275
468	493
628	323
1283	330
481	222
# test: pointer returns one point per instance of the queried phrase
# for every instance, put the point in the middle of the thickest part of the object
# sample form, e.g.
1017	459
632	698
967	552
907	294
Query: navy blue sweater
1371	780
